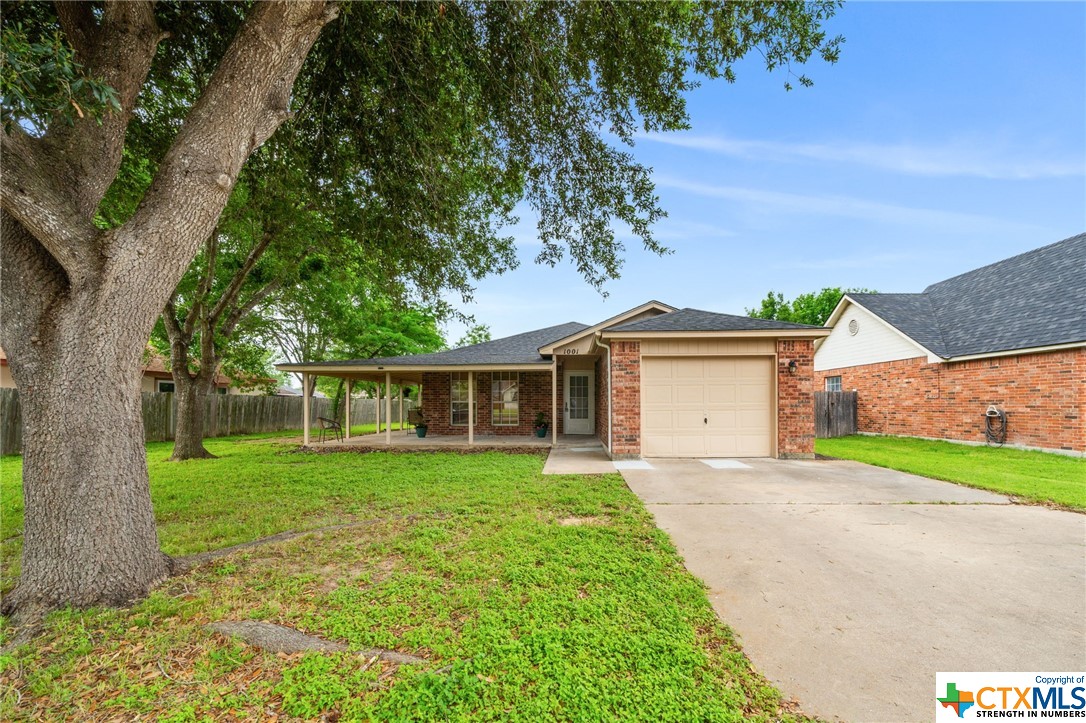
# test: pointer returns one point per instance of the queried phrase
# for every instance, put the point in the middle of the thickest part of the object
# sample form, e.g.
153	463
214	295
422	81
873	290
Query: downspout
599	342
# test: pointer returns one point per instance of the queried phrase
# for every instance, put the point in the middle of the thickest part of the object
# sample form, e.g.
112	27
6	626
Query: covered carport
385	379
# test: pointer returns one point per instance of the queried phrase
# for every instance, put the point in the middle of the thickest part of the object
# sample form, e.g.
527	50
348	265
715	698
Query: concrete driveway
850	586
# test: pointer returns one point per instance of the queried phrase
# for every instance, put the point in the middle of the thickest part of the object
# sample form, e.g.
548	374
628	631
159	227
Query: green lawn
1033	476
532	598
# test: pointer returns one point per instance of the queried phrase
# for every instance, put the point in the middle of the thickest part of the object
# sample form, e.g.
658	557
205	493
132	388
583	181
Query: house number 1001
567	352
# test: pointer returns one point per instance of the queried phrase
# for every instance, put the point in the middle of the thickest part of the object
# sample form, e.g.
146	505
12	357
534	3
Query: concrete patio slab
581	459
632	464
851	586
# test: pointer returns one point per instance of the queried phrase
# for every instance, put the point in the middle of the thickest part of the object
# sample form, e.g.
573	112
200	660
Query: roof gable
648	306
1032	300
910	314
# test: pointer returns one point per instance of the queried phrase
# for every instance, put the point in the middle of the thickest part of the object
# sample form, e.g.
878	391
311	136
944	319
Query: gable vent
853	327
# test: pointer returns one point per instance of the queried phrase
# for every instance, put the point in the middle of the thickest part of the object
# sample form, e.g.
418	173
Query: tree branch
230	295
204	290
87	153
28	194
242	311
179	340
77	21
240	105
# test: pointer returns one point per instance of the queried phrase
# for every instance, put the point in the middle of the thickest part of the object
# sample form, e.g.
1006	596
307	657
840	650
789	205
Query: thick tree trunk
89	536
191	397
79	303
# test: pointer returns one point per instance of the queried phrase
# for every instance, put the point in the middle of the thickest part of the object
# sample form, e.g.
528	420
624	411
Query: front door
579	417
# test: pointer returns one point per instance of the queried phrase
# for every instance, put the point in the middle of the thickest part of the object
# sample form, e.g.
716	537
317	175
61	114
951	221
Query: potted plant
540	425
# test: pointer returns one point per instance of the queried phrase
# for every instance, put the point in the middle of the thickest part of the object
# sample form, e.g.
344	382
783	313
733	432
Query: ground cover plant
528	597
1031	476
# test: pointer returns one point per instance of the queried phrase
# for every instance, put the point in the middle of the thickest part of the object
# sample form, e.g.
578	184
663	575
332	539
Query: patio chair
415	419
329	427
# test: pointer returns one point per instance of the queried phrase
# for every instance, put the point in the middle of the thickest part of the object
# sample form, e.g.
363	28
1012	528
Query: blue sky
948	136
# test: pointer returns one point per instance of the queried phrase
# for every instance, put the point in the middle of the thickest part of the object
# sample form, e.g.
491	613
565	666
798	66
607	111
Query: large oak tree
533	91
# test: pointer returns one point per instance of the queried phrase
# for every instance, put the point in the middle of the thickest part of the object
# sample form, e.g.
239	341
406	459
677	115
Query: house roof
698	320
647	307
1035	299
525	349
517	349
911	314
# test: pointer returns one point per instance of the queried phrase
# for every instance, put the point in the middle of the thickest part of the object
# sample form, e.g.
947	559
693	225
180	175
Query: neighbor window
458	395
505	398
221	390
165	387
833	384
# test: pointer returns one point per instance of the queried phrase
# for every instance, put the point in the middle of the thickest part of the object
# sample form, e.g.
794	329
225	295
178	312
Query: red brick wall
535	396
626	398
795	399
1044	396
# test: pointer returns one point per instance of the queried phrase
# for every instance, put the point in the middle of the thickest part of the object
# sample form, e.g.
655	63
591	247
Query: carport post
554	401
399	393
388	408
305	409
347	413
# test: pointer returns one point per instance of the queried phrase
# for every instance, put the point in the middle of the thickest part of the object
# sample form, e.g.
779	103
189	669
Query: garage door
707	406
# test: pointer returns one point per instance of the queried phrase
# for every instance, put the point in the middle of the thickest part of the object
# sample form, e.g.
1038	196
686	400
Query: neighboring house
292	392
155	377
1011	334
654	381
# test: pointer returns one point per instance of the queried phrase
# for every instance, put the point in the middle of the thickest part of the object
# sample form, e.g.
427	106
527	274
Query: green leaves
41	82
811	308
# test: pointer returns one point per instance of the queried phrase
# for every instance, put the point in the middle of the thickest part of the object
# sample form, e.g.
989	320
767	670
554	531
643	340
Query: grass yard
1032	476
531	598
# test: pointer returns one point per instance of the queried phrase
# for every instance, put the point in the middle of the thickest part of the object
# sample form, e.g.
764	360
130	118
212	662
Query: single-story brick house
1010	335
654	381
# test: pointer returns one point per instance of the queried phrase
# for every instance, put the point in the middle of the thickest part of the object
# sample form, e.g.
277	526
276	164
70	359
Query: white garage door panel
734	395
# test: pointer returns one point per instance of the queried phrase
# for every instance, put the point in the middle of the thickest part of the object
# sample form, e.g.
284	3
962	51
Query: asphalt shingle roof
911	314
1034	299
516	349
697	320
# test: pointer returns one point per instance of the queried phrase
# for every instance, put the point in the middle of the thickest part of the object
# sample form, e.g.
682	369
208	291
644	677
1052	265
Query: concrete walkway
850	586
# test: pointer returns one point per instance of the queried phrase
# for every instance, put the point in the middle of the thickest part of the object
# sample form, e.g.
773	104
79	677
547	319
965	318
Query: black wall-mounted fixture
792	367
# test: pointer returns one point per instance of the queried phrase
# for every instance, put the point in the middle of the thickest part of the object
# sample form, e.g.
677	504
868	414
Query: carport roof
698	320
517	349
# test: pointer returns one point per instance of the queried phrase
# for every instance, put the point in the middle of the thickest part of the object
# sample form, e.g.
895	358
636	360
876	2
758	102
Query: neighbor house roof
517	349
698	320
1035	299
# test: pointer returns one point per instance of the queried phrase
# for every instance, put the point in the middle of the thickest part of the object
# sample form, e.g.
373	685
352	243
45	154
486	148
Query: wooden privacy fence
11	422
835	414
224	415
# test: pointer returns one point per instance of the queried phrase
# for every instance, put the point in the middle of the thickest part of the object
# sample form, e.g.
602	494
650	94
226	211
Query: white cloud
989	160
843	206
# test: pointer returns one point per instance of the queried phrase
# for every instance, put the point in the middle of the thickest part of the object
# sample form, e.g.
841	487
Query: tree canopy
810	308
